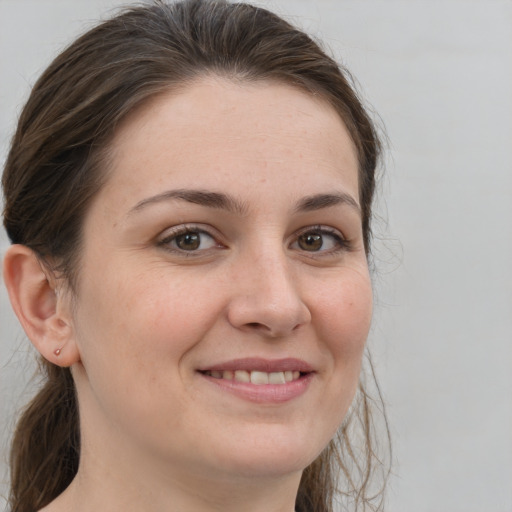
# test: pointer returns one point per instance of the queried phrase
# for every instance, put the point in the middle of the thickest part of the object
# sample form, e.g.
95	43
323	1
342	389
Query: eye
320	239
188	239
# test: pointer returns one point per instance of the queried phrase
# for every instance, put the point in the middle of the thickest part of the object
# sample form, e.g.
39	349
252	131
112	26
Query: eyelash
178	231
341	243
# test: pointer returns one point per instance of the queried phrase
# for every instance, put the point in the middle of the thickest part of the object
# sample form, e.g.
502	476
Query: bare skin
228	233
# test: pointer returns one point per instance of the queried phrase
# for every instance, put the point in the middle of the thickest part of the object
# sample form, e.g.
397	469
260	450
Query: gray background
439	73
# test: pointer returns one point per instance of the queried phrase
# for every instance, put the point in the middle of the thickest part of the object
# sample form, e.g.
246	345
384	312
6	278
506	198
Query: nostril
273	318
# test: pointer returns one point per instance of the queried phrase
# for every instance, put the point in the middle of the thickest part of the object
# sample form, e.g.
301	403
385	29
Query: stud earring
57	352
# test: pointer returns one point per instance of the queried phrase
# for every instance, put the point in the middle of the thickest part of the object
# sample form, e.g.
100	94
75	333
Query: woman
188	195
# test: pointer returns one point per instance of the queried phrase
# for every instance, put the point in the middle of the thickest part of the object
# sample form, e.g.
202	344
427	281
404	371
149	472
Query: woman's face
223	297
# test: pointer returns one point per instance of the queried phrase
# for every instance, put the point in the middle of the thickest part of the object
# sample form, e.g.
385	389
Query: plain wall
439	73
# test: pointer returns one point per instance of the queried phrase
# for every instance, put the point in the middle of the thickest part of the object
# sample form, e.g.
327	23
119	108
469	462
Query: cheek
138	323
346	311
134	332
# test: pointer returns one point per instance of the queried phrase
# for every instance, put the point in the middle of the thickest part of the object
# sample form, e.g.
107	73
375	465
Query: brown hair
56	164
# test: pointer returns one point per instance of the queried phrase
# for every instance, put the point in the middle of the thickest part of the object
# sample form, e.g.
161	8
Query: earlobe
43	314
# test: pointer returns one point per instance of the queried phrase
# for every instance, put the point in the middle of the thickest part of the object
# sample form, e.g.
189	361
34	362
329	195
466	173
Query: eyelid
343	243
166	237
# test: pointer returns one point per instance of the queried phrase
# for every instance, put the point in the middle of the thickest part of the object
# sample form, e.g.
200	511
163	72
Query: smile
260	380
256	377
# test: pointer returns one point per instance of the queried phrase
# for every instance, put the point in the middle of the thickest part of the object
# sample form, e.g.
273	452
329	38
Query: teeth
256	377
259	378
242	376
276	378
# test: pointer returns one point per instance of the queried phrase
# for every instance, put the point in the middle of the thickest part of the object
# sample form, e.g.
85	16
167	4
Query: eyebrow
202	197
222	201
319	201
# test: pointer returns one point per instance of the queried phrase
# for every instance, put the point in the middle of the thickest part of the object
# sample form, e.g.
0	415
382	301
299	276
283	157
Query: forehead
225	133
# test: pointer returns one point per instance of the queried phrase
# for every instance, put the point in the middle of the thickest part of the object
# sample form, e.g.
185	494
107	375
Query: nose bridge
272	279
267	296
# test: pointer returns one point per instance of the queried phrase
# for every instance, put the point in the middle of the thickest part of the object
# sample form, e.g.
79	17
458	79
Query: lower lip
264	393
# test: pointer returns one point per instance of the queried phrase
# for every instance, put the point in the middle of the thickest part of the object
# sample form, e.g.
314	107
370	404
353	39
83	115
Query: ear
42	311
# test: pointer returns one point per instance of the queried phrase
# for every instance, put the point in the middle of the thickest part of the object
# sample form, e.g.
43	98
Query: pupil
310	242
188	241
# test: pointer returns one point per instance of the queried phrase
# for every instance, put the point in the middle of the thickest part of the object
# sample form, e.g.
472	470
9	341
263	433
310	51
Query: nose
267	299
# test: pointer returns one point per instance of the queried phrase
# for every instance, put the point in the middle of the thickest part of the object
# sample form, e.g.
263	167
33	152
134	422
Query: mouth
256	377
261	380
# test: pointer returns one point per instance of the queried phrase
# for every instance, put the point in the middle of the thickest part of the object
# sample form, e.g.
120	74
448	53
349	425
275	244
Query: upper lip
261	365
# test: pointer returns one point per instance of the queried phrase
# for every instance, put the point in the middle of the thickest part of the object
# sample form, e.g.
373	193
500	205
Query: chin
276	452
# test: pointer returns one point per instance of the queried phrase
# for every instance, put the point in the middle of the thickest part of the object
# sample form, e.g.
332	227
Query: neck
120	471
142	492
111	477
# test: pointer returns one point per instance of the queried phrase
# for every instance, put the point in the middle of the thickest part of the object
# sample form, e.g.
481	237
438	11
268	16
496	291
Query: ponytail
58	162
46	445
